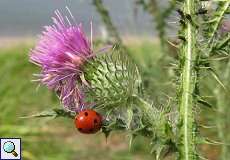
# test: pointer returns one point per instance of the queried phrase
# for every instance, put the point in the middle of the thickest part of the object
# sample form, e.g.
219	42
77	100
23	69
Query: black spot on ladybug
79	129
95	121
86	113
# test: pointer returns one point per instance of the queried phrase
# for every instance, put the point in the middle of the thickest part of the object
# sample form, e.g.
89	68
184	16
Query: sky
27	17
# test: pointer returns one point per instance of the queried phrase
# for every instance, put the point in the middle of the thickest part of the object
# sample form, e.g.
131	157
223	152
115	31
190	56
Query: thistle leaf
216	77
203	140
204	102
129	116
213	23
131	139
54	113
224	42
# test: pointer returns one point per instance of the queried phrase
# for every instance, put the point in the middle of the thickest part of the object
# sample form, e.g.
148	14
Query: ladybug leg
95	121
82	107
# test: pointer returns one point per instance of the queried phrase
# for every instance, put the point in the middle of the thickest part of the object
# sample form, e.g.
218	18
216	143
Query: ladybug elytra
88	121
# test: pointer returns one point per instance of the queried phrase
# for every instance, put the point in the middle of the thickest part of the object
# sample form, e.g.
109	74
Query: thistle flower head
61	52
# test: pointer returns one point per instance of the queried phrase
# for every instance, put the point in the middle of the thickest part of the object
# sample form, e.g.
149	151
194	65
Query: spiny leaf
224	42
222	46
214	23
131	139
215	75
203	158
129	116
207	127
203	140
54	113
204	102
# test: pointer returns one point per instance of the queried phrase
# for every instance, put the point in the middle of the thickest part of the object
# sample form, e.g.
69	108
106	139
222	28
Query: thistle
115	88
62	51
111	84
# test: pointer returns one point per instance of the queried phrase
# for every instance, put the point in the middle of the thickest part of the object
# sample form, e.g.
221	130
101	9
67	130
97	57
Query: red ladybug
88	121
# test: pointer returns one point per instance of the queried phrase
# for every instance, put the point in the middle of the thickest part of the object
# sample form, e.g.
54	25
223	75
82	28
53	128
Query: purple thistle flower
61	52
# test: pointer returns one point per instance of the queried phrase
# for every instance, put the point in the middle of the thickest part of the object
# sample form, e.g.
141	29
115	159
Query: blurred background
26	17
45	139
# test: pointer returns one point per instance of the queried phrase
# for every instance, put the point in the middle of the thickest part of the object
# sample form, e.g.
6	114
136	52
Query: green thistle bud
113	79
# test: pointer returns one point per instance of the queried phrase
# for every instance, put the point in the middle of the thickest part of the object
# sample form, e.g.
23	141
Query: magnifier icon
9	147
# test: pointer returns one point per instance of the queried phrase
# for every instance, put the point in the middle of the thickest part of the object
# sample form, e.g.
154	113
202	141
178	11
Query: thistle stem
101	9
110	27
188	82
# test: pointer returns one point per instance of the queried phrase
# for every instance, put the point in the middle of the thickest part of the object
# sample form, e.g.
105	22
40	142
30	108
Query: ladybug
88	121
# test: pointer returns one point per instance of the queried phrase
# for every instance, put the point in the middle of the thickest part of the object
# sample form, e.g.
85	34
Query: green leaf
54	113
216	77
224	42
131	139
204	102
129	116
214	21
204	140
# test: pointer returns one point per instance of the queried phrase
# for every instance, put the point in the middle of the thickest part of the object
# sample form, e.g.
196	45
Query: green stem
223	7
113	33
156	13
187	148
160	16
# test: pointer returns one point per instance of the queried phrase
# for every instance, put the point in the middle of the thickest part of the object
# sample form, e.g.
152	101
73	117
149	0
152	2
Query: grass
45	139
